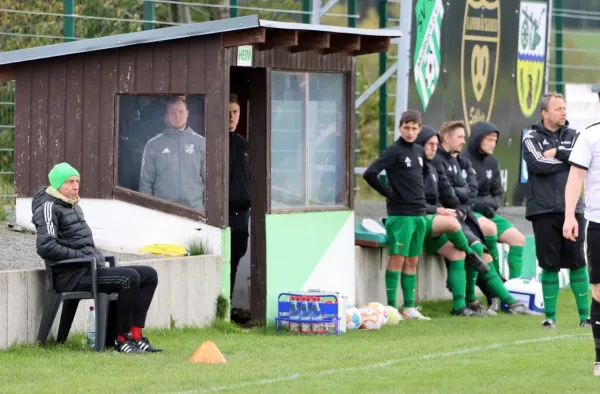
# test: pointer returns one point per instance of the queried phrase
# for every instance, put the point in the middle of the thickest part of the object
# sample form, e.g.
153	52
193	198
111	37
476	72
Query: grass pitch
449	354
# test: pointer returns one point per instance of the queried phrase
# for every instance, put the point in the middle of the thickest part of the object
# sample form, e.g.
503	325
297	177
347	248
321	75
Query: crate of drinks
314	313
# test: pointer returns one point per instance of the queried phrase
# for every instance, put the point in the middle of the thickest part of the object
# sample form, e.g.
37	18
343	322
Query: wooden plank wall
65	109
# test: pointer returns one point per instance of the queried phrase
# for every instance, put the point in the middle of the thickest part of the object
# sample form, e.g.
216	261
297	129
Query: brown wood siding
66	110
283	58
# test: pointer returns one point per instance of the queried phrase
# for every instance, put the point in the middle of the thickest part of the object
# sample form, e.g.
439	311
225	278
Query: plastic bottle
318	325
294	315
305	317
91	328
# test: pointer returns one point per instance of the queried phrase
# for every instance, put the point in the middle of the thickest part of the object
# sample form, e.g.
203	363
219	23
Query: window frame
142	199
347	145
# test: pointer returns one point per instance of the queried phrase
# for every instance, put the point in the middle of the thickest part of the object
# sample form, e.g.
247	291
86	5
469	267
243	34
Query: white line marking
452	353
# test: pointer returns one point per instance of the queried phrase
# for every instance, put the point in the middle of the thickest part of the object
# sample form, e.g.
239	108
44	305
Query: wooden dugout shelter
69	102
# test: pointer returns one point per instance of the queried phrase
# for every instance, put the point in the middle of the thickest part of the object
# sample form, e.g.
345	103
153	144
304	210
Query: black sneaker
585	323
466	312
127	346
477	263
145	346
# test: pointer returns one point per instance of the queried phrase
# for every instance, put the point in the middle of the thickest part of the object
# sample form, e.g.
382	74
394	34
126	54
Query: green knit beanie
60	173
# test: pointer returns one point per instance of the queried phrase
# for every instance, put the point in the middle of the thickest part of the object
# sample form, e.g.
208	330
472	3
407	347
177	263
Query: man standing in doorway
546	149
585	165
404	163
239	189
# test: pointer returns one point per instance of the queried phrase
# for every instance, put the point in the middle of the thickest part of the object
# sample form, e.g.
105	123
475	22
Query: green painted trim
226	262
296	243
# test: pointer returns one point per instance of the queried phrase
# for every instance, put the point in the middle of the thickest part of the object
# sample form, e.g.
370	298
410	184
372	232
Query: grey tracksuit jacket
173	167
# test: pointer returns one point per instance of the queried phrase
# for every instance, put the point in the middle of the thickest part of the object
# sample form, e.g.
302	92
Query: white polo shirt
586	155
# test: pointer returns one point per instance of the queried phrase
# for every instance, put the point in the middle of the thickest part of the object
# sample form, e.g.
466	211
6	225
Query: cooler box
528	291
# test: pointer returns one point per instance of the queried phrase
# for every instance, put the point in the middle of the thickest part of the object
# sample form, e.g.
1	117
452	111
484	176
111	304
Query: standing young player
546	150
585	165
403	163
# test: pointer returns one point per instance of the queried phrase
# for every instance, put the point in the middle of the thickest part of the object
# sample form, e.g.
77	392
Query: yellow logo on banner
531	55
479	57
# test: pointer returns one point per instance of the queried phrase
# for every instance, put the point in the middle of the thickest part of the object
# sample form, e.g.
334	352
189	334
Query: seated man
62	234
484	137
444	235
452	140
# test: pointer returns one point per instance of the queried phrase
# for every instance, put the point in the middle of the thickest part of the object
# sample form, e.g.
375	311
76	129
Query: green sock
579	285
391	286
459	240
491	241
497	287
408	283
515	261
550	290
472	275
457	277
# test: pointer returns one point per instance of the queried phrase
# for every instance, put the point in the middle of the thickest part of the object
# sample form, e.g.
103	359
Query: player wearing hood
452	140
484	137
444	235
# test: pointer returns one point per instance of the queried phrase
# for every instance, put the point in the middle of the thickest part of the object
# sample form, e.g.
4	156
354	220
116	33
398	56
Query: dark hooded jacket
450	166
62	233
403	163
486	170
547	177
437	188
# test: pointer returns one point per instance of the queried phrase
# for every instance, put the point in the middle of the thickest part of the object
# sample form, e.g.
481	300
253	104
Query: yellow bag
164	250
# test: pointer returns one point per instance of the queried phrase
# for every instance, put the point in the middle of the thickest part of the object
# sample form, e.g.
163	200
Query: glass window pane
307	140
162	148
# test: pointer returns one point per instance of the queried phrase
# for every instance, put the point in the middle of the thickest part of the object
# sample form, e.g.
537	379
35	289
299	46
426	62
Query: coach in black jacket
546	150
62	234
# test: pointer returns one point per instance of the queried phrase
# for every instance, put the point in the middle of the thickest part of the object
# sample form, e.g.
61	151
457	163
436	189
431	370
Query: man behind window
173	163
239	189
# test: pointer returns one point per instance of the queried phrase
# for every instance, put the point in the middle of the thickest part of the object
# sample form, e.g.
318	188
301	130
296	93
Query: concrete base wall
371	264
187	293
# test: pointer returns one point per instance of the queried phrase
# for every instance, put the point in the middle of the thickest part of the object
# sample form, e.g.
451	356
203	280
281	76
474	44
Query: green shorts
405	235
501	223
432	244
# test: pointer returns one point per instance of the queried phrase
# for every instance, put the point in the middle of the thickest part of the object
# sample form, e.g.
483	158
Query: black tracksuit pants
135	284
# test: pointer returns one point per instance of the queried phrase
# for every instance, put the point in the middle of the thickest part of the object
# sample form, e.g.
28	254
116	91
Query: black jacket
547	177
437	188
450	166
403	163
62	233
239	182
487	170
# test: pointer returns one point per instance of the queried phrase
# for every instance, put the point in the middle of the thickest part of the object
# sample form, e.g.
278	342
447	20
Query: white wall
122	227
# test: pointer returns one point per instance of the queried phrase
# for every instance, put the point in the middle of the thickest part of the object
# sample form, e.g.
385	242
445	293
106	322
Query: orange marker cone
207	353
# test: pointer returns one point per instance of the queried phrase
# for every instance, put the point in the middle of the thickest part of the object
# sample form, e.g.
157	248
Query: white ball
380	308
372	318
353	318
394	315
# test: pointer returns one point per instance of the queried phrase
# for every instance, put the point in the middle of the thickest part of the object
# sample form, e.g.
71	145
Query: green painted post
307	11
233	8
558	26
69	21
351	11
383	15
148	15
